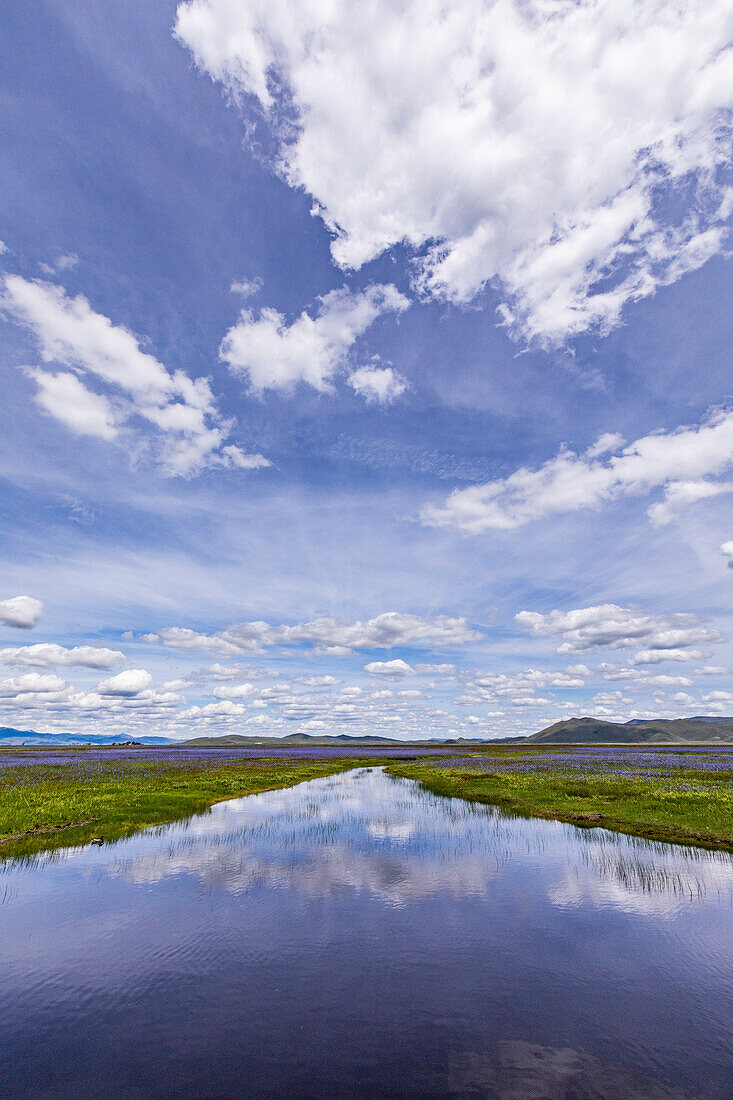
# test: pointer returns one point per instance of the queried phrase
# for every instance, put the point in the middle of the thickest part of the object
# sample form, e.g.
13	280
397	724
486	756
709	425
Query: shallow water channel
358	936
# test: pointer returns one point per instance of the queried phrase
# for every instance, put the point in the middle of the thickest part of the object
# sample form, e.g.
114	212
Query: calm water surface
356	936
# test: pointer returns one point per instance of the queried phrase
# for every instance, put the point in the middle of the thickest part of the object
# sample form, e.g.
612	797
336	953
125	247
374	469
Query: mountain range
12	737
702	729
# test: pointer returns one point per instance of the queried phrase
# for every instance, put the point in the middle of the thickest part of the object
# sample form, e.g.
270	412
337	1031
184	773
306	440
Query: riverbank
678	796
49	806
669	794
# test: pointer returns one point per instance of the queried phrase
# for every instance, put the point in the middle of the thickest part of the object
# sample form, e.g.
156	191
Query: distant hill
701	729
585	731
296	739
10	737
304	739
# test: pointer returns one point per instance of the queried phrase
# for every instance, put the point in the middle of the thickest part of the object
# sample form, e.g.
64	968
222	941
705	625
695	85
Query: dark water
356	936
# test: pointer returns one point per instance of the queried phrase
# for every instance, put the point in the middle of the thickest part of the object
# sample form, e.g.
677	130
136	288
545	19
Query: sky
365	369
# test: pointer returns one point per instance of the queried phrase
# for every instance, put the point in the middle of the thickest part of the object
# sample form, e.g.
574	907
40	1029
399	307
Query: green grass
686	805
47	807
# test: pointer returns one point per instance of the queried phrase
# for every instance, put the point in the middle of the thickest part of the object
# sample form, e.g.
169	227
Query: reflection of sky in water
493	944
365	831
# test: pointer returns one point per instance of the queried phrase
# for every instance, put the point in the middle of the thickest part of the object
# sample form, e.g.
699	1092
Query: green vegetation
652	794
683	795
43	807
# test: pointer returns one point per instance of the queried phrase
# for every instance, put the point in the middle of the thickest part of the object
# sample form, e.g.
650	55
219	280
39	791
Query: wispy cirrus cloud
680	461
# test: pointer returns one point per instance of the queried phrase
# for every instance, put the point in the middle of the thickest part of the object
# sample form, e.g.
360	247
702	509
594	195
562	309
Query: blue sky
454	283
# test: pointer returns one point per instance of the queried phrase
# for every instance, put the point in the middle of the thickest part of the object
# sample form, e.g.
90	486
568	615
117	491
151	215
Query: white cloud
667	681
128	683
51	655
265	720
718	697
726	549
225	709
51	693
615	627
385	631
189	434
233	691
65	398
656	656
519	688
333	636
377	384
314	726
238	671
247	288
62	263
175	685
529	699
390	670
608	441
501	683
275	355
149	700
179	637
535	144
642	678
34	682
569	482
23	612
679	495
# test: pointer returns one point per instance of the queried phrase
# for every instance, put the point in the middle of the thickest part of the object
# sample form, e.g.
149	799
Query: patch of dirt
39	830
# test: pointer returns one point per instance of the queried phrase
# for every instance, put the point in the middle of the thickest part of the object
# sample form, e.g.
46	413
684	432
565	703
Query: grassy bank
43	807
676	797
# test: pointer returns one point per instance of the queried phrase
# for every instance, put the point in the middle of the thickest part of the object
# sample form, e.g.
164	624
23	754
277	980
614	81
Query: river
356	936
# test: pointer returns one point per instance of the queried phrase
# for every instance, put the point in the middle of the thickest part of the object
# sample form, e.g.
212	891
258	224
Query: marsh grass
45	807
655	796
669	795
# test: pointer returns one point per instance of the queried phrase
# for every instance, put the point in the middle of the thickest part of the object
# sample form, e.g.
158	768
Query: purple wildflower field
38	764
678	770
634	763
